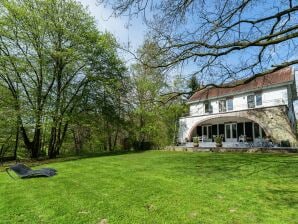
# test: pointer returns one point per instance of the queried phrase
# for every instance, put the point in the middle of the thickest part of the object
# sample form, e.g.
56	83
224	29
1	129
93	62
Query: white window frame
227	105
231	139
207	129
254	101
210	109
258	94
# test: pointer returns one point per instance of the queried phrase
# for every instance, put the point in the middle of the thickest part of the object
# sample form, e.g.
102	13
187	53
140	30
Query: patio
258	143
236	132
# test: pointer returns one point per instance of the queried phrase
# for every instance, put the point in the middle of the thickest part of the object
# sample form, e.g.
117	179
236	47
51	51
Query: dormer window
208	107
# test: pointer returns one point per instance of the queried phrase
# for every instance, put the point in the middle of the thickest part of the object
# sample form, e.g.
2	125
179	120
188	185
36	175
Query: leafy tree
51	50
103	108
153	121
9	126
193	84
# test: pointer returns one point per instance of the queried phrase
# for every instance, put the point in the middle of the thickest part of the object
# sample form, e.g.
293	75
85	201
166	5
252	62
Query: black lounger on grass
24	171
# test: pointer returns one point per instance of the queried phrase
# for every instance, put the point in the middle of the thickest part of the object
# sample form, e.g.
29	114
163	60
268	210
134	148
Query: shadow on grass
66	158
283	197
246	165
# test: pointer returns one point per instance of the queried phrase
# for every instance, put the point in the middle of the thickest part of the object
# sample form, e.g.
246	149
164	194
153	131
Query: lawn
158	187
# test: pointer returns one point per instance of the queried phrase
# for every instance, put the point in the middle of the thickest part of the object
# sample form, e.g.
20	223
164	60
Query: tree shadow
67	158
282	197
246	165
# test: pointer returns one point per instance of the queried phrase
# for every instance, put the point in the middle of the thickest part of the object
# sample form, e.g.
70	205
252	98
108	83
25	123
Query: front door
231	132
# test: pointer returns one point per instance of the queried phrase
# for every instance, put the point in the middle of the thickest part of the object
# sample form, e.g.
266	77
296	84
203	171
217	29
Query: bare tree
227	40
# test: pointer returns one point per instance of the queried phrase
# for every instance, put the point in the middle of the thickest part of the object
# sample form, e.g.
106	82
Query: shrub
195	140
218	140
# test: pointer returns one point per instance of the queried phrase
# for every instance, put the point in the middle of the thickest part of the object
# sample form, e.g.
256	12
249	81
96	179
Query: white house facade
258	109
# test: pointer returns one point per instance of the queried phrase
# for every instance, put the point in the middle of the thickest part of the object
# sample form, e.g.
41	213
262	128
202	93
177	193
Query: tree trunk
36	143
16	140
52	143
57	139
77	141
32	146
115	139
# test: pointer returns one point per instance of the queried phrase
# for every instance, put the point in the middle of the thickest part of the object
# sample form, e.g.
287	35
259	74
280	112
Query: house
261	108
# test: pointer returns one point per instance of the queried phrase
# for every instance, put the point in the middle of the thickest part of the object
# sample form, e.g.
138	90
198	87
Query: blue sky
133	34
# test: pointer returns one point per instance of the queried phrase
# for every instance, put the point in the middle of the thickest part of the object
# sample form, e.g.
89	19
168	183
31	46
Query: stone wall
275	123
244	150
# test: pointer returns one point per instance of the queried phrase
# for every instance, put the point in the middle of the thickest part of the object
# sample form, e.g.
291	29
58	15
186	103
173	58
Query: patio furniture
202	138
24	171
261	142
242	138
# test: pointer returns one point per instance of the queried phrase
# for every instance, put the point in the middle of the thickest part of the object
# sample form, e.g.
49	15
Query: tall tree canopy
50	51
153	121
227	39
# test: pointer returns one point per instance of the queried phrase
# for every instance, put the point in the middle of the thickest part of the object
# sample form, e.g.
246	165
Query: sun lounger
24	171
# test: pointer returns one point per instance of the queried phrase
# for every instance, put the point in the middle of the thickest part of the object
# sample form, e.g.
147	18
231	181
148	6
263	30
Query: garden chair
24	171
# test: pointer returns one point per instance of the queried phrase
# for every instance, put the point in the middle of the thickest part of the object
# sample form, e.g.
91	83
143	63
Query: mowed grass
158	187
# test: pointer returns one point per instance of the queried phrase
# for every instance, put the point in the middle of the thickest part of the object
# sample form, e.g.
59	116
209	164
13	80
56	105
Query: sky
132	35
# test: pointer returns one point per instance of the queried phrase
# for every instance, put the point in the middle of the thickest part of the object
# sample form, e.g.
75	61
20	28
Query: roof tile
277	77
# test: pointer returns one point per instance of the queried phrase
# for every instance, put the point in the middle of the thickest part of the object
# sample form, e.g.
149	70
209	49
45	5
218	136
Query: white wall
270	97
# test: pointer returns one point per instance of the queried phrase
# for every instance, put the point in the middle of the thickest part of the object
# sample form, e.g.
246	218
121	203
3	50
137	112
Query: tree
9	125
227	40
104	105
152	121
193	84
50	51
147	84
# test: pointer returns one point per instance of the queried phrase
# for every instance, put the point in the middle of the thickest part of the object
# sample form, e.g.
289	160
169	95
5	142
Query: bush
141	146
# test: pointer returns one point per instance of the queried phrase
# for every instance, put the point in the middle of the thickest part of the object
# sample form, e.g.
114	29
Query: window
230	104
207	131
259	99
228	131
251	101
222	106
254	100
208	108
257	131
234	130
231	130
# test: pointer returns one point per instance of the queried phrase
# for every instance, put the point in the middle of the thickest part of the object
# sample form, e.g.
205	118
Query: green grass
158	187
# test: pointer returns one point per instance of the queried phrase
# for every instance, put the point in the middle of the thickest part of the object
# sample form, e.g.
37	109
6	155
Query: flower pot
218	144
195	141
